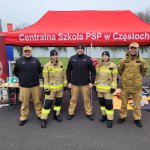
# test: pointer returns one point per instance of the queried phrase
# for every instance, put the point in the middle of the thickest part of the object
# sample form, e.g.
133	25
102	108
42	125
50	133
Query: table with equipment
9	88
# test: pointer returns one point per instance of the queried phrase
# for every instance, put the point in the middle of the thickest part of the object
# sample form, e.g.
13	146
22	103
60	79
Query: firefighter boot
57	117
109	123
22	122
138	123
43	123
90	117
103	119
121	120
69	117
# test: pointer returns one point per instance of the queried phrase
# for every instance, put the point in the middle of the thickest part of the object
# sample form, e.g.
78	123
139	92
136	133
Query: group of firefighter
81	75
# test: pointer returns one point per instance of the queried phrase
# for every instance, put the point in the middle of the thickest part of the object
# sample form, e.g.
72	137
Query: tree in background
144	15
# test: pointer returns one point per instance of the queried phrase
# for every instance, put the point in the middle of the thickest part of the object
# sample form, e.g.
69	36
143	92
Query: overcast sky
29	11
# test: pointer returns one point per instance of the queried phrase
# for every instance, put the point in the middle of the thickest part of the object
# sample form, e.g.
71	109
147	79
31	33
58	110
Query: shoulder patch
126	61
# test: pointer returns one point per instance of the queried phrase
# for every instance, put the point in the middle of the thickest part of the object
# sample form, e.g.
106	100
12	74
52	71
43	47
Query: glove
69	90
112	90
65	88
94	88
47	91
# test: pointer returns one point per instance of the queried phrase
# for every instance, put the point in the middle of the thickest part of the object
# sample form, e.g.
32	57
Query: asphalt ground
77	134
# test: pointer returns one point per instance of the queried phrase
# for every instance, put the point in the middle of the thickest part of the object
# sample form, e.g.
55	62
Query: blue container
9	53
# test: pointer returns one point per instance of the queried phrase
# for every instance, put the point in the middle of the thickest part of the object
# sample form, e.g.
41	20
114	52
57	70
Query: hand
65	88
94	88
112	90
69	85
90	85
47	91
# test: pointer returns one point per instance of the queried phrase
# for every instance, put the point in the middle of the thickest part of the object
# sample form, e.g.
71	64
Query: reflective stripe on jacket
54	76
106	77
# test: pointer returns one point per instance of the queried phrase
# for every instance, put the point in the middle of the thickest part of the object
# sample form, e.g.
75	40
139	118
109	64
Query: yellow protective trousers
25	94
49	99
106	104
136	108
85	91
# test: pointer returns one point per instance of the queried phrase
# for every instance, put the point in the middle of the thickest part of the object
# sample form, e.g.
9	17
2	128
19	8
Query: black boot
69	117
109	123
138	123
22	122
121	120
57	117
43	123
90	117
103	119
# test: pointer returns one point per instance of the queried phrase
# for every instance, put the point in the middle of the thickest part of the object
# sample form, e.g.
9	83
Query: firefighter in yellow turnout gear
132	69
54	83
106	83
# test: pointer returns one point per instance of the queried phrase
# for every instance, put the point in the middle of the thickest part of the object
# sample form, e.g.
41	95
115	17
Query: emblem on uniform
138	61
110	68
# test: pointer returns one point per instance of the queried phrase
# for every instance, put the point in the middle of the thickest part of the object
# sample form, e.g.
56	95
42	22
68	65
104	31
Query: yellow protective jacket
106	77
132	69
54	76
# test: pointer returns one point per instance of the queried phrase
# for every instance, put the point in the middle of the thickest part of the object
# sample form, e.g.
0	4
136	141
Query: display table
9	86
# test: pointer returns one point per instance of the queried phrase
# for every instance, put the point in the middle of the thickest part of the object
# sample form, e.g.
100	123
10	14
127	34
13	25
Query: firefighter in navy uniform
132	69
28	69
54	84
106	83
80	77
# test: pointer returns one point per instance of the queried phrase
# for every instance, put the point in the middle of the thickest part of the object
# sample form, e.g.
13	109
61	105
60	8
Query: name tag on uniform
74	60
84	59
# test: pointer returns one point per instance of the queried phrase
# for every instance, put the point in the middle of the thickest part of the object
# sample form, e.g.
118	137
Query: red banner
3	62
